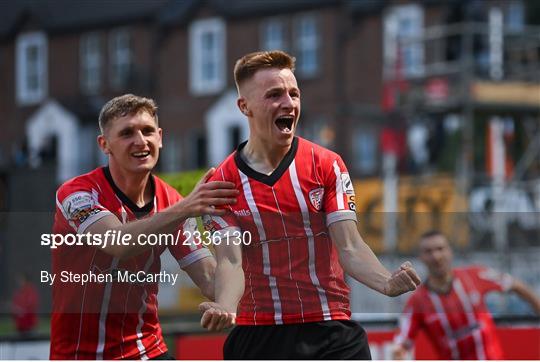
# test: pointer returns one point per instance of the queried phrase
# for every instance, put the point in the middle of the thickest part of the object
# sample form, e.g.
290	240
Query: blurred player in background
297	204
24	305
114	320
450	306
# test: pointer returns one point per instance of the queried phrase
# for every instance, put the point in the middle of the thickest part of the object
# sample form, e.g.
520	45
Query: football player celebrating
111	319
286	282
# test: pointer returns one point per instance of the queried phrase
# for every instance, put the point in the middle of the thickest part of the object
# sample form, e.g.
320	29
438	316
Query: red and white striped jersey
108	320
292	273
458	323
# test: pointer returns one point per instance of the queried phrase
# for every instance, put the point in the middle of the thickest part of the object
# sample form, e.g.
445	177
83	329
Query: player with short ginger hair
297	201
114	319
450	306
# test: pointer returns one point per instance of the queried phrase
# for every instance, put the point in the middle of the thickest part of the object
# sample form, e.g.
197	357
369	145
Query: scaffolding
470	67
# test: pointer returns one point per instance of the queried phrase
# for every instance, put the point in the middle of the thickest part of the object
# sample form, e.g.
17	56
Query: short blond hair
124	105
246	67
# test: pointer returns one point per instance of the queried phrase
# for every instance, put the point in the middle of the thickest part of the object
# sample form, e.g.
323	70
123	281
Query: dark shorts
337	340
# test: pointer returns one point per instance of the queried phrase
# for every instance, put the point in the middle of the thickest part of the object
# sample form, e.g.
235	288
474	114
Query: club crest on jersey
315	197
208	223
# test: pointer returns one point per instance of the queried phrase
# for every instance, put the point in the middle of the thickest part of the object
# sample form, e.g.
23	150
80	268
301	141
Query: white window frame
120	57
411	53
199	58
26	95
365	150
91	61
273	35
307	45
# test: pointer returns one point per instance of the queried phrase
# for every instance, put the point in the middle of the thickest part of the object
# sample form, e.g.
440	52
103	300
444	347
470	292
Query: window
273	35
318	129
31	65
515	18
120	58
307	46
207	56
365	151
171	154
90	60
403	47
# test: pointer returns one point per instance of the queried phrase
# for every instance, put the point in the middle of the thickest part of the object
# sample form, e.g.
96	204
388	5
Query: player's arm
399	351
202	273
229	287
229	280
492	280
359	261
526	293
200	201
404	339
410	323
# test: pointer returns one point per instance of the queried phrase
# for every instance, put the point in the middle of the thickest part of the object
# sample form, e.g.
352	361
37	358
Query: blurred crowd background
434	105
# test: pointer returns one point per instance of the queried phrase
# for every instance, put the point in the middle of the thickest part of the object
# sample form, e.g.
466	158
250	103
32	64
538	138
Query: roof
66	15
172	14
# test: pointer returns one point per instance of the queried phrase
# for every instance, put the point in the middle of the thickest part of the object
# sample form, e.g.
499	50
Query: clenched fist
404	280
215	318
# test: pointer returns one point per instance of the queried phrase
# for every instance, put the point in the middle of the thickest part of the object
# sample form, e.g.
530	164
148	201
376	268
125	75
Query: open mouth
141	154
285	123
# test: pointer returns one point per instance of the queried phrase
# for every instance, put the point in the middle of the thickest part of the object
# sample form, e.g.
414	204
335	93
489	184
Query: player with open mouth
287	289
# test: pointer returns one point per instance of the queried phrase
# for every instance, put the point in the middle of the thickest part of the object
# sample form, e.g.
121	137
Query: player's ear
102	143
242	105
160	132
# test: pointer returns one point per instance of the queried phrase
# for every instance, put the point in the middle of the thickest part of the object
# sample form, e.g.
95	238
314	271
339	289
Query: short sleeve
489	280
188	249
410	322
339	199
78	203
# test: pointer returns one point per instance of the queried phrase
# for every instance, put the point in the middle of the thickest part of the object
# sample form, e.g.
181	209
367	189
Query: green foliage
7	326
184	182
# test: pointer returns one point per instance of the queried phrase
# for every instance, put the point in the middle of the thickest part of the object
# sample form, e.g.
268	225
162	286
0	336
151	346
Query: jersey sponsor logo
347	184
351	202
315	197
79	206
242	212
83	215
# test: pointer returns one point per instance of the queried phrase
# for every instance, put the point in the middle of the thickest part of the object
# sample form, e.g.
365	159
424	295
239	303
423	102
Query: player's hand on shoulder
403	280
207	195
215	318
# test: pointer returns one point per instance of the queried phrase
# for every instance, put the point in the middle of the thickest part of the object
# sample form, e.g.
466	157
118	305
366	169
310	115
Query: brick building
376	75
64	59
